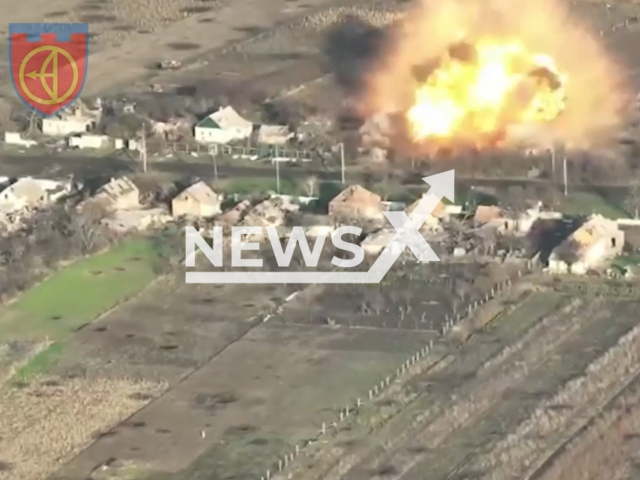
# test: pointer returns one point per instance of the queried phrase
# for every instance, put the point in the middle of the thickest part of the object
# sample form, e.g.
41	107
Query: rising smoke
595	87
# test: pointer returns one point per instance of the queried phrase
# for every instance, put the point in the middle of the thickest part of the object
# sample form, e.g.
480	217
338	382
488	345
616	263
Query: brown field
607	449
190	382
496	410
127	37
202	359
270	46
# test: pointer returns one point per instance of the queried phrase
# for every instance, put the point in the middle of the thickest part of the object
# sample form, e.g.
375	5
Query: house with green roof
222	126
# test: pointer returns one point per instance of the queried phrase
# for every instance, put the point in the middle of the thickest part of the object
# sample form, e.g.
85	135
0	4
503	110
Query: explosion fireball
520	72
478	90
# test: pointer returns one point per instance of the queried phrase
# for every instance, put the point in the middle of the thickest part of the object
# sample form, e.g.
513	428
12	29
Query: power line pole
342	162
213	151
277	170
553	162
143	150
564	168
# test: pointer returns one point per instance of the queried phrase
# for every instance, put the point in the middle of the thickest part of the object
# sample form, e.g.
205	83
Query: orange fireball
478	90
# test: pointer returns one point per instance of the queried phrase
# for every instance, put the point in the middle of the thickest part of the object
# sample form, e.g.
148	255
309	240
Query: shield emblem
48	63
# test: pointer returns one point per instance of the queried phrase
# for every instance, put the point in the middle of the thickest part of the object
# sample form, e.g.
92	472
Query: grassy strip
583	203
80	292
39	364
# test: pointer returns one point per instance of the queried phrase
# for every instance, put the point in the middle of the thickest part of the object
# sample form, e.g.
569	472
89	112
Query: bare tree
90	232
489	237
462	290
6	123
26	120
632	202
311	185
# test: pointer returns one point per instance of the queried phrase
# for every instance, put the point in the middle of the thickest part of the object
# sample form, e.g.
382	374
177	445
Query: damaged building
197	201
357	203
591	247
435	219
121	200
272	212
76	119
118	194
31	193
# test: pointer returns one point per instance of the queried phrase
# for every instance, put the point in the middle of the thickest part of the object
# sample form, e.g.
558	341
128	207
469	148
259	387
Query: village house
76	119
31	193
491	216
274	134
590	247
356	202
376	132
529	217
223	126
118	194
171	130
437	216
272	212
197	201
89	140
14	138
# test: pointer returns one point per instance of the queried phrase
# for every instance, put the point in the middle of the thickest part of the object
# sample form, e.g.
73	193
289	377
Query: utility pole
143	150
213	151
564	168
342	161
277	171
553	162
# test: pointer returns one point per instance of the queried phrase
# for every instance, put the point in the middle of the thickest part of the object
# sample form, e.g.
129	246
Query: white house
590	247
90	141
30	192
491	216
14	138
76	119
223	126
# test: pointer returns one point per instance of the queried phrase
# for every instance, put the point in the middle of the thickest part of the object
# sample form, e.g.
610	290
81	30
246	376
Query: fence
628	222
350	409
237	151
608	289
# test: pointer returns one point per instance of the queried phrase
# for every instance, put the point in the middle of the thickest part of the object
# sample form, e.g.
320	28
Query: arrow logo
407	235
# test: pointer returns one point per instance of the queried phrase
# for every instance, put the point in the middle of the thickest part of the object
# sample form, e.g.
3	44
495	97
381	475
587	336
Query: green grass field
255	185
583	203
80	292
